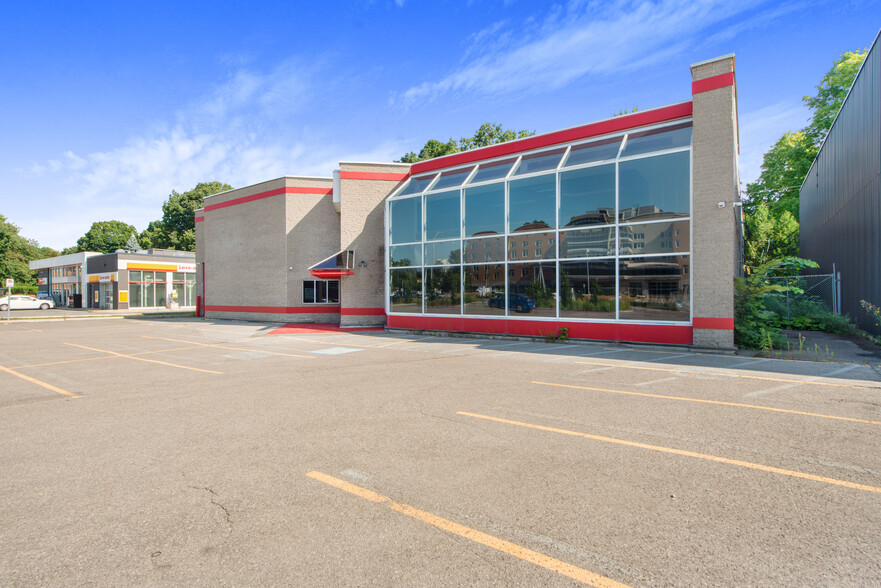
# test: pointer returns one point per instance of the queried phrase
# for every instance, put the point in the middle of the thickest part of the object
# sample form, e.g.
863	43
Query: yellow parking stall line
539	559
726	375
224	346
39	383
720	402
725	460
113	353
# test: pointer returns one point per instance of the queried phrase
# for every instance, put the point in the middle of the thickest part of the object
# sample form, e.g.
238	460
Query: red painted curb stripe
362	311
670	334
612	125
199	219
277	309
269	194
712	83
713	323
393	177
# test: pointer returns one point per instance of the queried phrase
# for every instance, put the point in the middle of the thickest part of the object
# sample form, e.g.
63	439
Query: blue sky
109	106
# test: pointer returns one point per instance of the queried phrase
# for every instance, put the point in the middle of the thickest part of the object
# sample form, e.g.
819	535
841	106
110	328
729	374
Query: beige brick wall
249	248
362	222
715	240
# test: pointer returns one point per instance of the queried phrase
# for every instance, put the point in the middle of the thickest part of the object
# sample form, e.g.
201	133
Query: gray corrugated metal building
840	199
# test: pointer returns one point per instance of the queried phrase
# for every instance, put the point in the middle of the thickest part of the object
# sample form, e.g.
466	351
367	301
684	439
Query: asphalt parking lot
191	452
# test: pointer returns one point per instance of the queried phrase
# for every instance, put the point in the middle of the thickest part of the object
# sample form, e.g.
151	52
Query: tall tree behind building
786	164
177	227
487	134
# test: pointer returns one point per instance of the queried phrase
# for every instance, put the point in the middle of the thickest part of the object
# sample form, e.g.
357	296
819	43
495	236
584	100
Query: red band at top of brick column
712	83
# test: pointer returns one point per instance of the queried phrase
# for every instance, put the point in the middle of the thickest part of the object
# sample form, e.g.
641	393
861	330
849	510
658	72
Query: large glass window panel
485	289
649	238
654	288
485	209
191	294
333	291
443	219
587	196
531	246
443	252
406	220
591	152
405	255
320	291
135	295
149	294
485	249
654	187
587	289
405	290
442	290
134	276
180	294
532	288
532	203
492	171
538	162
417	185
658	140
599	242
160	293
308	291
452	179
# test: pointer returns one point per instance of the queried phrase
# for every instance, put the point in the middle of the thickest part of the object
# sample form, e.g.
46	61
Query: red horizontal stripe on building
712	83
269	194
362	311
199	219
713	323
669	334
612	125
276	309
393	177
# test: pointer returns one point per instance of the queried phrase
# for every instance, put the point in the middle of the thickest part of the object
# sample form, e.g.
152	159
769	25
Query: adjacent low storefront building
153	278
625	229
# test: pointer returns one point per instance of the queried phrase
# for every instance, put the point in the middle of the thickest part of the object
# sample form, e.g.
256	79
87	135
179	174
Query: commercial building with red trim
626	229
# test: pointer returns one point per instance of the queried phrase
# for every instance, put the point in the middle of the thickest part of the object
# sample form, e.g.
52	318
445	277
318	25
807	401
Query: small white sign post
9	284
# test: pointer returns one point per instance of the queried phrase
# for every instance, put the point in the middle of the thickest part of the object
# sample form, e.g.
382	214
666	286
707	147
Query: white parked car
24	303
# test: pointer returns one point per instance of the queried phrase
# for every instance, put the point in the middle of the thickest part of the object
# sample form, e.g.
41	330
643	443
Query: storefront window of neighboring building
321	291
184	287
580	232
146	289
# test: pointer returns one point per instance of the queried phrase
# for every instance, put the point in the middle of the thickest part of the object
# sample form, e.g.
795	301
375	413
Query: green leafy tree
786	164
769	237
15	253
487	134
177	228
106	236
831	92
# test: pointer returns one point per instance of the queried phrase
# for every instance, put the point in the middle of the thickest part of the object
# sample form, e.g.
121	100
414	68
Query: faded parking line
727	375
40	383
224	346
725	460
113	353
539	559
705	401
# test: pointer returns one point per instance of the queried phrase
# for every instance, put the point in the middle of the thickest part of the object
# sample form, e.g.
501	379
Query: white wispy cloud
761	128
577	40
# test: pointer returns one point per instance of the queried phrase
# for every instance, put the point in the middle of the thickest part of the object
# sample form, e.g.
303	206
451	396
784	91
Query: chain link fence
818	297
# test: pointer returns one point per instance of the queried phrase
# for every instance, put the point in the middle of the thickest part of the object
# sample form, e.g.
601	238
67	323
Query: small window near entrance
321	291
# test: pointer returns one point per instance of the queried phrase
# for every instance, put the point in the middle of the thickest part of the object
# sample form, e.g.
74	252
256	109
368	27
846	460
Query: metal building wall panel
840	200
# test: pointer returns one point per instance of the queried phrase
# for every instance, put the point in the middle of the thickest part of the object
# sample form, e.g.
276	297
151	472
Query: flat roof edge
712	59
382	163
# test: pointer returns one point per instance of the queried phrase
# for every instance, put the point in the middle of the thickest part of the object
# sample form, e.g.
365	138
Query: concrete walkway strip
719	402
39	383
539	559
812	381
671	450
113	353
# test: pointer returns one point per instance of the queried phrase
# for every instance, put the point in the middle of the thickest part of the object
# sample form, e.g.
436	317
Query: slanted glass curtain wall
598	230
